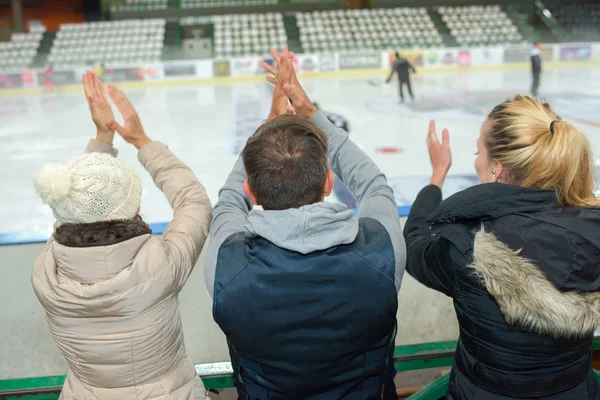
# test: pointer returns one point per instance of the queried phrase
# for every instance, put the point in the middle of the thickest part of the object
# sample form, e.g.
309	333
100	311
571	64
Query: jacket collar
493	200
90	253
306	229
103	233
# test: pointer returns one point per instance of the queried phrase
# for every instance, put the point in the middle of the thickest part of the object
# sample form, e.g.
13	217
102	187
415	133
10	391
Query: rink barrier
220	375
363	73
317	65
19	238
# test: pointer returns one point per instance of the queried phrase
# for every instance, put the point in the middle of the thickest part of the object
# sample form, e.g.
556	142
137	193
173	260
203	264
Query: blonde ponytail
540	150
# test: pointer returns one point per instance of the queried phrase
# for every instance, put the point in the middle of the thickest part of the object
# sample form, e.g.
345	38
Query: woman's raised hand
131	130
440	154
99	107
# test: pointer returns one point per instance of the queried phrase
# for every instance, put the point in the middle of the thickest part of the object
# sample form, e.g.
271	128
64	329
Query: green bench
219	375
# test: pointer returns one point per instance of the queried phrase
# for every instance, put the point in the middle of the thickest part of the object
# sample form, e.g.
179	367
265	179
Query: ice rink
207	125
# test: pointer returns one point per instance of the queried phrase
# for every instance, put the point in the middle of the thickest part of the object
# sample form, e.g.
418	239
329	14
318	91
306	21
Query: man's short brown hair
286	163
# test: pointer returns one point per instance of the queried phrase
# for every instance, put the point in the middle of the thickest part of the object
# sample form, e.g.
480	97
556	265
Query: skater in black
402	67
536	67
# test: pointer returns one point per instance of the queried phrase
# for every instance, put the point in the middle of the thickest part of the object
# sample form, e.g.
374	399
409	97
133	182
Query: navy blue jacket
307	297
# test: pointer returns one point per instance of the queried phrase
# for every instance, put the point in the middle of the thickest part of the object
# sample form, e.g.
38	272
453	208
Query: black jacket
524	274
402	67
536	62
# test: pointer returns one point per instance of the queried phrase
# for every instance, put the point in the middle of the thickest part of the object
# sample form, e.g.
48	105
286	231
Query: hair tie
552	124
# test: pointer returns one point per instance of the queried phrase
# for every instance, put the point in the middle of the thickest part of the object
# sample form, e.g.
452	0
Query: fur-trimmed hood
527	298
104	233
563	242
541	262
89	253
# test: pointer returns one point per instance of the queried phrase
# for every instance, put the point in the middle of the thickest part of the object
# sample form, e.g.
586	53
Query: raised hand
132	130
274	70
284	75
439	154
279	104
99	107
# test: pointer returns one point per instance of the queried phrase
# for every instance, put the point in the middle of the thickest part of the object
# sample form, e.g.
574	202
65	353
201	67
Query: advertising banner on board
28	79
517	54
248	111
360	60
245	66
576	53
179	70
415	57
221	69
11	81
406	188
328	62
154	72
464	58
123	74
487	56
547	53
440	58
59	77
308	63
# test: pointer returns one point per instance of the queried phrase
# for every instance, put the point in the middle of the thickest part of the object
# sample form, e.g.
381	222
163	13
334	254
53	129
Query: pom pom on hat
52	183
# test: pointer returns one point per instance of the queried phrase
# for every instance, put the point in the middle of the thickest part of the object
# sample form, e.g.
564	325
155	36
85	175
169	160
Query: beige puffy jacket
110	293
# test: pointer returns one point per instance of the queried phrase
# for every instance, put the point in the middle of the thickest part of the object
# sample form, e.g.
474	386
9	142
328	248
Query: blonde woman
108	286
519	254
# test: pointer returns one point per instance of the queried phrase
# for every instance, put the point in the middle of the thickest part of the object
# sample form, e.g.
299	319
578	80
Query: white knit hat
90	188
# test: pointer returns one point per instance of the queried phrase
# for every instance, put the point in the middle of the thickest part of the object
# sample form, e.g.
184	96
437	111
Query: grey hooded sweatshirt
317	226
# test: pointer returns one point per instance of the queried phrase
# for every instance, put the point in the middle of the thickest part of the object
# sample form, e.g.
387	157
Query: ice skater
402	67
536	67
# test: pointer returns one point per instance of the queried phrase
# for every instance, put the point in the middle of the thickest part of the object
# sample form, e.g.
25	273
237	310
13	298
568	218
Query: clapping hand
99	107
131	130
281	75
439	154
288	86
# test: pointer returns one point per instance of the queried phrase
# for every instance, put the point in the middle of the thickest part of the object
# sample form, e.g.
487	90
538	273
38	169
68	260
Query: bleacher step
293	32
41	58
442	28
172	34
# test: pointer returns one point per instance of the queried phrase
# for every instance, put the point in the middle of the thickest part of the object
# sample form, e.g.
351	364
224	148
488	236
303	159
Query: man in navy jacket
304	290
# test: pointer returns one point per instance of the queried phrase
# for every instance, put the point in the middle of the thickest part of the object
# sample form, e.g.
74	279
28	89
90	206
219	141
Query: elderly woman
108	286
519	254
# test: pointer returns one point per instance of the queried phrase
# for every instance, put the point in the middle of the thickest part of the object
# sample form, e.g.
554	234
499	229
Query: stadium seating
21	50
140	5
480	25
113	42
244	34
579	18
367	29
225	3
